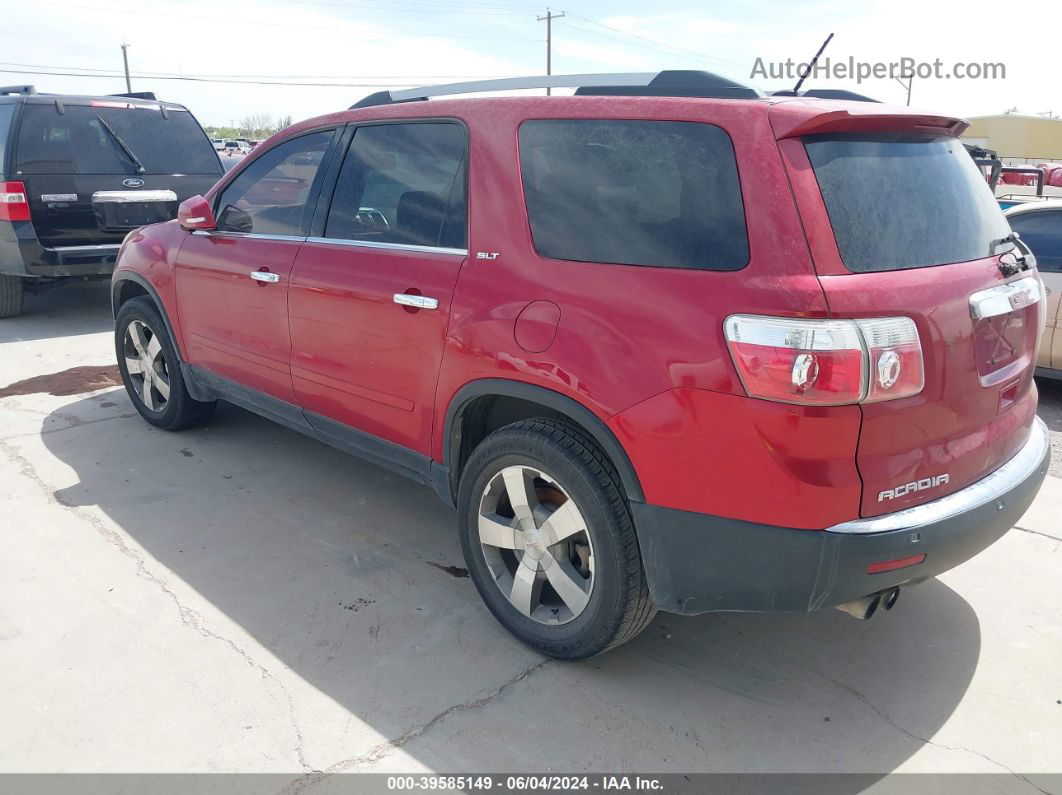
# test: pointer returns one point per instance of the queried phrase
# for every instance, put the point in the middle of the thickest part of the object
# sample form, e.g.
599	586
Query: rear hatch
94	169
902	224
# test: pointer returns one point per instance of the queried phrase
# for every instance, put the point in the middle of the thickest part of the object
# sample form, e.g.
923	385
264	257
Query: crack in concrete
188	616
1037	533
384	749
75	422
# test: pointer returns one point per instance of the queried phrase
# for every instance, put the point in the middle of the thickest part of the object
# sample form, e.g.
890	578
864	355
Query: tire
147	358
526	580
11	294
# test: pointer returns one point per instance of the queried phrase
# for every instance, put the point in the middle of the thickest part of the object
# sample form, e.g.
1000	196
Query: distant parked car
1040	228
219	143
77	173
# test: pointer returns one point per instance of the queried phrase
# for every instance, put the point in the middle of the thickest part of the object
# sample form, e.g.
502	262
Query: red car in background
655	342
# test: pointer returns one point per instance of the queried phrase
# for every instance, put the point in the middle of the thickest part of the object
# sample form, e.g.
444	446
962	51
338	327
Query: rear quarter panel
151	252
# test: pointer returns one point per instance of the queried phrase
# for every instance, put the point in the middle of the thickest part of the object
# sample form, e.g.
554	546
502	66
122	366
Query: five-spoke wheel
146	364
535	542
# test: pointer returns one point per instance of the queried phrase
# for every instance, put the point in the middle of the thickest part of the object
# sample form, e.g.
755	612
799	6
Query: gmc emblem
914	485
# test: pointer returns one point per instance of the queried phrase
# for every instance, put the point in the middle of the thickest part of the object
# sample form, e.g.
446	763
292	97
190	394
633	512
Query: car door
1041	230
232	281
369	298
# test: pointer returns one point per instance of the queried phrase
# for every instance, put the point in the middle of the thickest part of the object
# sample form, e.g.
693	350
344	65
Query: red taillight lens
893	565
14	202
826	362
895	356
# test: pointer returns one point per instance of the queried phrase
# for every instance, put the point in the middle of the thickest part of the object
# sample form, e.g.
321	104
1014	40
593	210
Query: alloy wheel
145	362
536	545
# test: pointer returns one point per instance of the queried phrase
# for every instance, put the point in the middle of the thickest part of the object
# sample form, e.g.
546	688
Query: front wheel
151	370
549	542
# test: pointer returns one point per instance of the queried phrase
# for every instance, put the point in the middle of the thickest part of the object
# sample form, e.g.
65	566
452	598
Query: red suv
665	344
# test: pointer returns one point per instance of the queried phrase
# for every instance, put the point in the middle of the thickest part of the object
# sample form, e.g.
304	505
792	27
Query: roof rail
17	90
674	83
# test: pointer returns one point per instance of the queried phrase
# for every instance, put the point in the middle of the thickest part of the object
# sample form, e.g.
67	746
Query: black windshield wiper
995	244
122	144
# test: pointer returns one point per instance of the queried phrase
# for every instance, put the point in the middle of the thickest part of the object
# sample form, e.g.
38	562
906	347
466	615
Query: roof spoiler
21	90
793	120
825	93
138	95
671	83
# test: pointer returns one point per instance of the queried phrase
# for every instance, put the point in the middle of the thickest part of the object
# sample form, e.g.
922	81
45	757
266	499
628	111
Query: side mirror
195	213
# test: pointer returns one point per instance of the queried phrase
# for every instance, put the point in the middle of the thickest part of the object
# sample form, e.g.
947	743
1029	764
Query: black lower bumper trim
697	563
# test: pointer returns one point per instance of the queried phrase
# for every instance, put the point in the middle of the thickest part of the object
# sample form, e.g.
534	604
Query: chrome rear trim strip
1023	465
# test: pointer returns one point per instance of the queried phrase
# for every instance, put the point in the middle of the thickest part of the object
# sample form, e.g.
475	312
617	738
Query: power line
227	75
548	19
655	44
187	79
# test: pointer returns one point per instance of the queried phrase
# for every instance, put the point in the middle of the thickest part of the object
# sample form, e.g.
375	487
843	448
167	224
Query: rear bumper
21	254
697	563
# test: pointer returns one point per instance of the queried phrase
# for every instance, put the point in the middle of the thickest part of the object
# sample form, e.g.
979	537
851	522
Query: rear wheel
151	370
549	542
11	294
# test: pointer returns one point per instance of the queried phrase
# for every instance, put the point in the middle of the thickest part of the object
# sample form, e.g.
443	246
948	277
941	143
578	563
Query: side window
1041	231
661	193
270	196
403	183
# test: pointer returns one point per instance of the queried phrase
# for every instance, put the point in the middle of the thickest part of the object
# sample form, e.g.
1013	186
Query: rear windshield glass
84	140
662	193
900	202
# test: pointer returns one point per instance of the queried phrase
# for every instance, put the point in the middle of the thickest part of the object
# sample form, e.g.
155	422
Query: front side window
1041	231
905	201
87	139
658	193
271	196
403	184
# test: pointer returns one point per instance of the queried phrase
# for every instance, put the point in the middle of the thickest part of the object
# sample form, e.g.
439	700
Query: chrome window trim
247	235
1023	465
122	196
463	252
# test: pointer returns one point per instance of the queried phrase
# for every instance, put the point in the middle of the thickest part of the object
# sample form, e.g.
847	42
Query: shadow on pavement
339	569
68	310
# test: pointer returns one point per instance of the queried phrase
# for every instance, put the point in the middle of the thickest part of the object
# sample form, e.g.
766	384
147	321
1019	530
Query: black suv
77	173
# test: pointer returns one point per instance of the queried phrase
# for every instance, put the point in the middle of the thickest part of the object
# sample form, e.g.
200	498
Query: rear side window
7	110
658	193
898	202
1041	231
403	184
97	140
272	195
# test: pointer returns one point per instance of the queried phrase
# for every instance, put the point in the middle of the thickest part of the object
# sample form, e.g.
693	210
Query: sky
367	45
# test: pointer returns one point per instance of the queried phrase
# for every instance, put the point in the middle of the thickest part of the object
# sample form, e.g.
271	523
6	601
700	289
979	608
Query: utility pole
125	60
548	19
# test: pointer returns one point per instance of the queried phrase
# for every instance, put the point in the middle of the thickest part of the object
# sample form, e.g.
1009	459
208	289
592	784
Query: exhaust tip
862	608
888	601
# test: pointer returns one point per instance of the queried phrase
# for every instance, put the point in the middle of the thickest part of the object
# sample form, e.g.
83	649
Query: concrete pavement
240	598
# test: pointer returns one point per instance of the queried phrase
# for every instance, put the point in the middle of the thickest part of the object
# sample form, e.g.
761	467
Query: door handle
265	276
418	301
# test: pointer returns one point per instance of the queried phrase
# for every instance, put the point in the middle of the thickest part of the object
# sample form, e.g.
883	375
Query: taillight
14	202
826	362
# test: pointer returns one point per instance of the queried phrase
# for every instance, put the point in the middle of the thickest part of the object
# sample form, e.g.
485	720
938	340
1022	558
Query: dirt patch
68	382
453	571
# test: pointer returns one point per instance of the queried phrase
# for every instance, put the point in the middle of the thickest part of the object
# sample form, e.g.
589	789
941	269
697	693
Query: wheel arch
483	392
127	285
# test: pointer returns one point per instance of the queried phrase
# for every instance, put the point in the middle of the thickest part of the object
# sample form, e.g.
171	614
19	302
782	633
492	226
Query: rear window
898	202
78	141
661	193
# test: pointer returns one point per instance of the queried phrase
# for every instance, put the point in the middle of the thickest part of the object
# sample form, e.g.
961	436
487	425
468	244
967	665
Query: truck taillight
826	362
14	202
